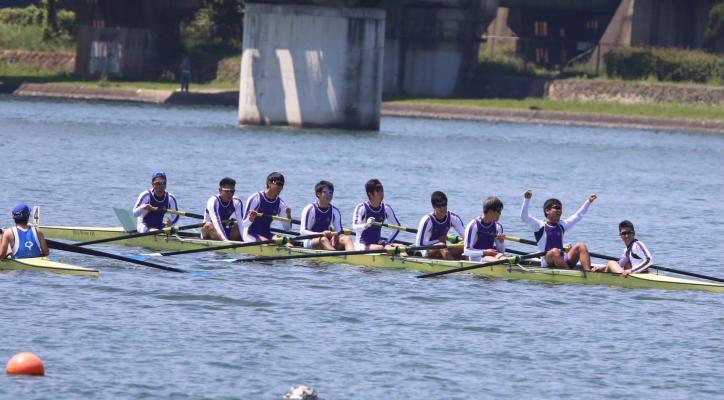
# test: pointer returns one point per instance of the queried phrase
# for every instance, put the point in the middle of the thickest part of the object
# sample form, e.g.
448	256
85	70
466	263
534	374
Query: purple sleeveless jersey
155	219
439	228
262	226
372	234
322	219
554	236
486	235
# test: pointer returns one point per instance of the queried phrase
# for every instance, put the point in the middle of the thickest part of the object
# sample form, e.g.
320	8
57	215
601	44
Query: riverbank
502	112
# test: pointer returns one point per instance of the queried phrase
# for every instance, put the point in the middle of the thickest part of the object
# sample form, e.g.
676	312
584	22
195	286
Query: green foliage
665	64
30	37
715	26
19	27
30	15
215	28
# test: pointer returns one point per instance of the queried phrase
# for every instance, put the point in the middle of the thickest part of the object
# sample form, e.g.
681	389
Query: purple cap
158	174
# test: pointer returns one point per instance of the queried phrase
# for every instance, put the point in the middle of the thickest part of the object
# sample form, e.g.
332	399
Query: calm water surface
253	331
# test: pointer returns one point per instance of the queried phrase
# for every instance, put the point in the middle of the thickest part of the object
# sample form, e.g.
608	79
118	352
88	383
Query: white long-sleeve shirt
637	256
425	228
540	227
212	214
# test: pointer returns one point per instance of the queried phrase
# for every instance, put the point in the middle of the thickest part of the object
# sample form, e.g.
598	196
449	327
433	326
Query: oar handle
279	218
178	212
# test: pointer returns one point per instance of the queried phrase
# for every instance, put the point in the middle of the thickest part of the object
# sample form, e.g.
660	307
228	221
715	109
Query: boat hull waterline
505	271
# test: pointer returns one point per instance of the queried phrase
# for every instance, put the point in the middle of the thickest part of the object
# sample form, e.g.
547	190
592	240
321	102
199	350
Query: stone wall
633	92
42	61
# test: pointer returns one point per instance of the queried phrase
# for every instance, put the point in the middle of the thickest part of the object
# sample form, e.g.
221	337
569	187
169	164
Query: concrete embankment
230	98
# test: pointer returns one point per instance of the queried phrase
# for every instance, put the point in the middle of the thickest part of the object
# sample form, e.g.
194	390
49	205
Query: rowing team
484	238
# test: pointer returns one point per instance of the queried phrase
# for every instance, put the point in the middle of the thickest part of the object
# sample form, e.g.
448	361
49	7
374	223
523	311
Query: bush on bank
664	64
35	16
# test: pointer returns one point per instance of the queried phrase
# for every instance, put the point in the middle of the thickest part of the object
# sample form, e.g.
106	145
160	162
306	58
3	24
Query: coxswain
23	240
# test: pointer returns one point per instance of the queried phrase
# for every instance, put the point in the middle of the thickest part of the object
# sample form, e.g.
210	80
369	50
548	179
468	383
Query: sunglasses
328	192
555	207
159	183
626	233
225	190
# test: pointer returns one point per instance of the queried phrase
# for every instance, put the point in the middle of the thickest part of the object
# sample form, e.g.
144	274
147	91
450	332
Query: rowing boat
506	271
45	265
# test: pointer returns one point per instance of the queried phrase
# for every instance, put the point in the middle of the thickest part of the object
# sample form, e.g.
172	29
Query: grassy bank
668	110
30	37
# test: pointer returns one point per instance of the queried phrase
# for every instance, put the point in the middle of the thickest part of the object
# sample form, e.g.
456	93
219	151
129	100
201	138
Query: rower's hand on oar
149	207
328	234
168	222
500	237
528	193
592	197
288	211
252	215
370	222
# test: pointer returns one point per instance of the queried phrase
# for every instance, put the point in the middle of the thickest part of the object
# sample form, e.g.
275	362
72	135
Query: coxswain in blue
549	233
636	257
267	203
322	217
151	205
433	229
369	235
223	213
484	235
23	240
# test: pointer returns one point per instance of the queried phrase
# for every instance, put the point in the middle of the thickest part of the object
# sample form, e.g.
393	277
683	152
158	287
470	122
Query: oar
177	212
390	251
82	250
168	231
345	231
277	241
279	218
511	260
666	269
451	238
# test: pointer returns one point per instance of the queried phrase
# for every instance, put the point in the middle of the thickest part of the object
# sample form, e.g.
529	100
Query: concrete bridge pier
314	66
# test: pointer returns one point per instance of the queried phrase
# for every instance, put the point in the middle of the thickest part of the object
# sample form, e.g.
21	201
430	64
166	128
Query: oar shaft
390	251
167	231
278	241
178	212
511	260
82	250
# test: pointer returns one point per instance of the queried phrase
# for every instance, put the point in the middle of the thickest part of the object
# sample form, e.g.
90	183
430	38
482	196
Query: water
253	331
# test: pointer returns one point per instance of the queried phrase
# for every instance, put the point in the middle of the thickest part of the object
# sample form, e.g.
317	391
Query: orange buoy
25	364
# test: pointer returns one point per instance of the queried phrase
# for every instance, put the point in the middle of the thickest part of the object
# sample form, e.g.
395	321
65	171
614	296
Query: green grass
213	85
670	110
28	37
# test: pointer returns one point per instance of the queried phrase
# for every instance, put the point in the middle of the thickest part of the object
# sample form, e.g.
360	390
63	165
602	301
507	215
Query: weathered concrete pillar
432	47
305	65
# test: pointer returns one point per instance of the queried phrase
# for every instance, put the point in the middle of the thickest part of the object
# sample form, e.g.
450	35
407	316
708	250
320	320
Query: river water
253	331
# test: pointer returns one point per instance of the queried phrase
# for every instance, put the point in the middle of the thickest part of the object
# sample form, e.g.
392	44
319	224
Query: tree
50	20
715	26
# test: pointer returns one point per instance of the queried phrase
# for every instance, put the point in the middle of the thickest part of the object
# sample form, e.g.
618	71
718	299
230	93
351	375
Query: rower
484	236
267	203
23	240
151	205
319	216
433	229
222	213
549	233
371	211
636	257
